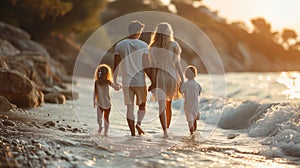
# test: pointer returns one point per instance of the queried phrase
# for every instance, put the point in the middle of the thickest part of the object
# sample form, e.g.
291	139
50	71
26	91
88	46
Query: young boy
191	90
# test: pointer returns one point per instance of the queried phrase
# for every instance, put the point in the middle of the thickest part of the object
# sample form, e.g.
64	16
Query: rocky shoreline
29	74
33	74
31	139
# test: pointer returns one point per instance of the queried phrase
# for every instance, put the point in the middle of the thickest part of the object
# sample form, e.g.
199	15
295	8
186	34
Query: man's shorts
139	91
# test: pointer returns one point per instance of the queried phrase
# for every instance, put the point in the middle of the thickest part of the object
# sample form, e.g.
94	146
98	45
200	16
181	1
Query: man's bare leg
141	115
130	118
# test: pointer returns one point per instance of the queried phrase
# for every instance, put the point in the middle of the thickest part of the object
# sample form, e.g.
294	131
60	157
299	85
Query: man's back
131	52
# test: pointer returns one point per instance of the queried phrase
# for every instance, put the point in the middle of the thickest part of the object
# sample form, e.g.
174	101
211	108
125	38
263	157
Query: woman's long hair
162	35
103	74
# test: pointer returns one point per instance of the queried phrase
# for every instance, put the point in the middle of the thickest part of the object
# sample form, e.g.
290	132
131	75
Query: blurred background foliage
42	17
77	19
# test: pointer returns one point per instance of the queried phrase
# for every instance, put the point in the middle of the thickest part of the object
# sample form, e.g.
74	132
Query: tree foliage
41	17
261	26
288	34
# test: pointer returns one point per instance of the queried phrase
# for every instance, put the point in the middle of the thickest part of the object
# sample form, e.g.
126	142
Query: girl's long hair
103	74
162	35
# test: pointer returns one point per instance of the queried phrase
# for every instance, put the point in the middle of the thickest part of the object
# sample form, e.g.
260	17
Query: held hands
117	86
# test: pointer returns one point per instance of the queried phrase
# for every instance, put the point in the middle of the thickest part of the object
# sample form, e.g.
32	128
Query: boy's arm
179	70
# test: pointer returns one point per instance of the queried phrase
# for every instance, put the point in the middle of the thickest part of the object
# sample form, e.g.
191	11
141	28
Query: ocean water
255	123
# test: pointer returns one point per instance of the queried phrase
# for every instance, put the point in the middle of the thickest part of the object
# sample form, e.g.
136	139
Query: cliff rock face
26	68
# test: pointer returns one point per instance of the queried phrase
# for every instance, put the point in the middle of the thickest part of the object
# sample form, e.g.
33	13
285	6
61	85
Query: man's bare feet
140	131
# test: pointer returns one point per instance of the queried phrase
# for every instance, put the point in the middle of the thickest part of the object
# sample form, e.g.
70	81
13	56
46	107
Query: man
132	59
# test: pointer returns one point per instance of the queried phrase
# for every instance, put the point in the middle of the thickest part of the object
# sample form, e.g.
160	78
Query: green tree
41	17
289	37
261	26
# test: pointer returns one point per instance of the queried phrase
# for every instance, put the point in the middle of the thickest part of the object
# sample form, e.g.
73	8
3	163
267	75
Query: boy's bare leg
195	125
191	127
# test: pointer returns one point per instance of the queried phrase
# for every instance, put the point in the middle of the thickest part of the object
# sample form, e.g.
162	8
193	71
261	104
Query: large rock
55	97
5	105
62	49
19	90
20	53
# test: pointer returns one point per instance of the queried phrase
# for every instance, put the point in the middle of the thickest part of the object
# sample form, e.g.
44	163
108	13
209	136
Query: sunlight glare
292	82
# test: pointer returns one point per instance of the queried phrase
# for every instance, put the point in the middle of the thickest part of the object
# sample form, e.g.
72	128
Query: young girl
103	79
191	90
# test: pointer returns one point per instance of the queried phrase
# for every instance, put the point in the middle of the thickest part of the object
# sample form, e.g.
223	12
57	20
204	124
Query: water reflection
292	82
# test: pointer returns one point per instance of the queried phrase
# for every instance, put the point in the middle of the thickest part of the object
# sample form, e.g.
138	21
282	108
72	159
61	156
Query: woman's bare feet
165	134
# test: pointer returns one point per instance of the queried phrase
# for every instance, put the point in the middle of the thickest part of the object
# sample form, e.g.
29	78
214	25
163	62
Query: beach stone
19	90
50	123
6	157
8	123
5	105
56	98
70	95
232	136
62	128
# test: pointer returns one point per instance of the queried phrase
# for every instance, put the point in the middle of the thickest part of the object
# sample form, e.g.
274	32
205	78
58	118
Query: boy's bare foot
99	130
140	131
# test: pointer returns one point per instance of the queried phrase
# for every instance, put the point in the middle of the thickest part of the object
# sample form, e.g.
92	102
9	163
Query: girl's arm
117	87
95	97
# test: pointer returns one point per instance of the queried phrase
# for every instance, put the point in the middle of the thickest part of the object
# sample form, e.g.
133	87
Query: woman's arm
179	70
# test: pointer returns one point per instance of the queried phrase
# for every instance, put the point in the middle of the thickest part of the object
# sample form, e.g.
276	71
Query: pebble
7	122
50	124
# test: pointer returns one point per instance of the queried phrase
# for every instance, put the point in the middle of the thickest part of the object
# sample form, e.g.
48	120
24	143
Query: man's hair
135	27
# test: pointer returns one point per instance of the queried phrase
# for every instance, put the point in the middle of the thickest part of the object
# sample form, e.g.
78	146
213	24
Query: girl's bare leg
106	121
99	118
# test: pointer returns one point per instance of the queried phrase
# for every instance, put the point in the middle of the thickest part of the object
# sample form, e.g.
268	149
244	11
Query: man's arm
116	68
146	65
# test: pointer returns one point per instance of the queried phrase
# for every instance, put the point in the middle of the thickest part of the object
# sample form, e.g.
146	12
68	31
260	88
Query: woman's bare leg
168	112
162	116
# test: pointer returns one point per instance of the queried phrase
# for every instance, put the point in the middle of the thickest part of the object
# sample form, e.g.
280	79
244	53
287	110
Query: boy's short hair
135	27
192	69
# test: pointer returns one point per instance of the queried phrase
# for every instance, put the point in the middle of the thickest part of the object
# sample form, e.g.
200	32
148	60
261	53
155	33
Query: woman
165	55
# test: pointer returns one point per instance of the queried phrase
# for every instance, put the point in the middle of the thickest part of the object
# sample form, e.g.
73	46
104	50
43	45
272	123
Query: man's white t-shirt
131	65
